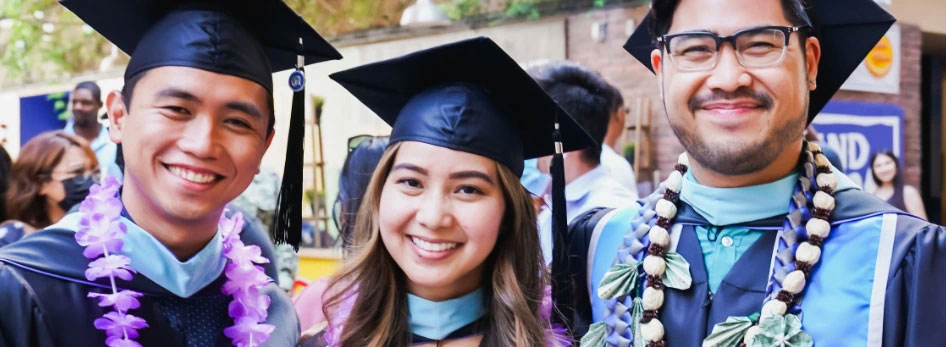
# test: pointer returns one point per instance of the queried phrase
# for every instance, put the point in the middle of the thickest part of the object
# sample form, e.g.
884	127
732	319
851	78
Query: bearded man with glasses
755	239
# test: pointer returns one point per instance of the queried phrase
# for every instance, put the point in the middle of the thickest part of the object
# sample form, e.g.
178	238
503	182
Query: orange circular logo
880	58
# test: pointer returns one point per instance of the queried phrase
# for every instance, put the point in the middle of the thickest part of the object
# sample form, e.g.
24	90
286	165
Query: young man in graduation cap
153	261
755	239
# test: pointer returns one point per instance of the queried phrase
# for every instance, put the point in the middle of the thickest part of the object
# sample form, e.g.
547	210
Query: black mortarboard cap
847	30
250	39
468	96
244	38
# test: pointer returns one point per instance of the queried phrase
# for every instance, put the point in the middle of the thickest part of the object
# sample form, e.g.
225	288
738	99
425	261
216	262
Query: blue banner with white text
856	130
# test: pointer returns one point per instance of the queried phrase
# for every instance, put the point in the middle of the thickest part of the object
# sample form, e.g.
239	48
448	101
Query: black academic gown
475	328
915	294
44	299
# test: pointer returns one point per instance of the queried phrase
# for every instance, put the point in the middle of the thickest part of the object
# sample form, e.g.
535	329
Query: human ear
117	113
812	57
656	61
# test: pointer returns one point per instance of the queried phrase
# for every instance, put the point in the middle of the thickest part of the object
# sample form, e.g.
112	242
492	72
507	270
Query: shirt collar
435	320
727	206
101	140
579	187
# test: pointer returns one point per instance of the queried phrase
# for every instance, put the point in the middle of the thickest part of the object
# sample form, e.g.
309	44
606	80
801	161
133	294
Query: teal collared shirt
723	243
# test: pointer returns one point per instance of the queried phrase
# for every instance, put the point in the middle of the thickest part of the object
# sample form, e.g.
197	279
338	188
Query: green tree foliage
332	18
41	41
59	105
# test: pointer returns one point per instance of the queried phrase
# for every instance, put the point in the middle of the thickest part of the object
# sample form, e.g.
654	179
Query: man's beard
739	158
734	158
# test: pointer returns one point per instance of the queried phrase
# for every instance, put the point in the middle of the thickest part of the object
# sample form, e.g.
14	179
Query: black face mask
77	188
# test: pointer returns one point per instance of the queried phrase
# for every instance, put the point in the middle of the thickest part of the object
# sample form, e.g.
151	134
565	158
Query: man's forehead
82	93
724	17
199	83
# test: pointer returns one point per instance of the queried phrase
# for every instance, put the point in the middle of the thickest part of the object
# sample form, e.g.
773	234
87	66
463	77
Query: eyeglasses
63	175
357	140
755	47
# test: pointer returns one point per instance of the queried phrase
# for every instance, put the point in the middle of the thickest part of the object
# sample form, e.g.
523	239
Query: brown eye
469	190
410	182
177	109
239	122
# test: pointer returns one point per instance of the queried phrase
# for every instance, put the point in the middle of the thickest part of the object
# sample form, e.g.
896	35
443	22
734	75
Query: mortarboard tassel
288	219
561	275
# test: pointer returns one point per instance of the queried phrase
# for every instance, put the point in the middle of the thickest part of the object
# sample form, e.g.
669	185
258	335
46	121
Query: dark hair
34	166
617	100
897	177
513	283
5	163
352	182
897	198
584	94
91	87
129	89
663	10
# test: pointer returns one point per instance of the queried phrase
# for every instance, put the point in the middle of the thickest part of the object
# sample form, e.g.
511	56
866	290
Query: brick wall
636	82
624	72
909	100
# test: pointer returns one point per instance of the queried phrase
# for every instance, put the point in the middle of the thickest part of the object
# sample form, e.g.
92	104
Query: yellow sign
879	72
880	58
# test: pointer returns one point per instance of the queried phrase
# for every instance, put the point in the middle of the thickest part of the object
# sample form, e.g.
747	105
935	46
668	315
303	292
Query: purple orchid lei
101	232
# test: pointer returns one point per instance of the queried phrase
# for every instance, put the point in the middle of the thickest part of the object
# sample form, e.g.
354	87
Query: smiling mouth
731	106
193	176
433	246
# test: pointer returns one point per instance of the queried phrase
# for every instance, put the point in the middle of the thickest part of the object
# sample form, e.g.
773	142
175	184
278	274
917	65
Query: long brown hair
513	284
32	169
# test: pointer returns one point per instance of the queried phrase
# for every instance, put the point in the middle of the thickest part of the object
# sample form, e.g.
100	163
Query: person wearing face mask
885	170
52	174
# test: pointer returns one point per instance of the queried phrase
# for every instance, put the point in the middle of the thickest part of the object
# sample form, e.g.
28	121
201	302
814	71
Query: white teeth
433	247
192	176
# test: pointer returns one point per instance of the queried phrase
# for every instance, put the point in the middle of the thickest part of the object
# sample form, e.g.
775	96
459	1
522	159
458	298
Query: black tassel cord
561	275
288	219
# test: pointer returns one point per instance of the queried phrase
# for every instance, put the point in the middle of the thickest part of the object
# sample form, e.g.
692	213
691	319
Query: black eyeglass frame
664	41
355	141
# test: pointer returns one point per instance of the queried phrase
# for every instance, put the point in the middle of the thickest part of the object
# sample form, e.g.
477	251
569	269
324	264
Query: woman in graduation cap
446	250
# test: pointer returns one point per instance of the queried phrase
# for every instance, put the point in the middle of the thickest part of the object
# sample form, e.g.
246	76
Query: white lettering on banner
855	137
891	121
853	148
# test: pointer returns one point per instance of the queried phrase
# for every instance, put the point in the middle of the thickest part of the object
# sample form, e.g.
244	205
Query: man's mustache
764	100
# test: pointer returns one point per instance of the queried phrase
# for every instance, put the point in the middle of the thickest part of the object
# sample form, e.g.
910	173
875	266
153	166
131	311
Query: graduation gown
475	328
879	282
45	301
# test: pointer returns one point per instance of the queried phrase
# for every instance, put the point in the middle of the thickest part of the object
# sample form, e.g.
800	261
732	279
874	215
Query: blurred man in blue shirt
85	103
590	100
